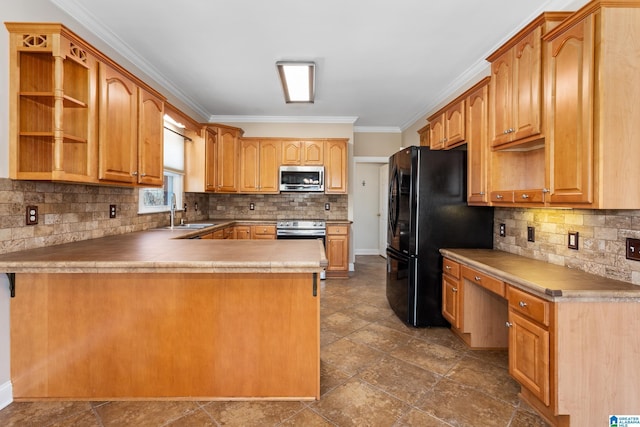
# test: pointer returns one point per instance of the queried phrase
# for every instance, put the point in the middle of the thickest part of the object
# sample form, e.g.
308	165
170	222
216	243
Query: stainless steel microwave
302	178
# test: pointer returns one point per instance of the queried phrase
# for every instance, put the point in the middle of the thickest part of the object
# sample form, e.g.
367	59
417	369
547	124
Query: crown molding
284	119
377	129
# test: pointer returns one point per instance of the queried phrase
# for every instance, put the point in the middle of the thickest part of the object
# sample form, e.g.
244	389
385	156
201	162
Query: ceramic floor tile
40	413
434	357
402	380
252	413
493	379
143	413
307	418
367	406
416	418
84	419
465	406
341	324
198	418
527	419
348	356
330	378
380	337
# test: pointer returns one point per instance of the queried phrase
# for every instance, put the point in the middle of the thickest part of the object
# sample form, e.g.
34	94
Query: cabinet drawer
490	283
262	230
451	268
502	196
337	229
531	306
528	196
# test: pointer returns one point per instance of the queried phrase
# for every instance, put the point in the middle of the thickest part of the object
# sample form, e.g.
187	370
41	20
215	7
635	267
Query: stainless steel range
302	229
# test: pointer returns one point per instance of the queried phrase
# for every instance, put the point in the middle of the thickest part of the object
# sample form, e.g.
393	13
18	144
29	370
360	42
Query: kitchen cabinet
210	159
227	162
592	147
302	153
447	126
259	165
337	248
529	342
335	166
243	232
52	104
516	115
263	232
451	293
424	135
131	130
476	115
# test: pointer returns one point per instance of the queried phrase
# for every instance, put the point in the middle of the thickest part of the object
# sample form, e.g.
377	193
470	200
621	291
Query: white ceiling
381	64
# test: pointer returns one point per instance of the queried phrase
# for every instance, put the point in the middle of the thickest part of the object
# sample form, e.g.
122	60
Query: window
152	200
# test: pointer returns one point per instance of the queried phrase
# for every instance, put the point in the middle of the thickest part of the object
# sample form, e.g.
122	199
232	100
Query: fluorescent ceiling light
298	80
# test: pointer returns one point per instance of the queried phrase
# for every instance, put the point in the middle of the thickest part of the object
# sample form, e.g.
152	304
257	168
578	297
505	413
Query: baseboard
366	251
6	394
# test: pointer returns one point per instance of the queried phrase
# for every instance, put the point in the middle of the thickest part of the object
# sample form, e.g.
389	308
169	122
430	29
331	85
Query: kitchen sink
187	226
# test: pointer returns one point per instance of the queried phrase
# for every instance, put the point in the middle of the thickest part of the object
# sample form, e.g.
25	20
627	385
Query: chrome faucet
173	208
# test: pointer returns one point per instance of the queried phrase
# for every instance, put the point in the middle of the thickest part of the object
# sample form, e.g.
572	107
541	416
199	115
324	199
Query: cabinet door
249	165
436	132
211	155
227	161
424	136
527	95
118	127
477	155
529	355
338	253
451	300
269	166
291	154
501	99
570	140
150	139
335	167
454	124
313	153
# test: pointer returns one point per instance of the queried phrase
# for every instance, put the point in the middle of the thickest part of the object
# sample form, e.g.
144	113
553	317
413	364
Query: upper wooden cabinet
594	122
259	165
298	153
131	130
52	104
335	166
424	135
210	159
516	84
477	109
447	126
227	158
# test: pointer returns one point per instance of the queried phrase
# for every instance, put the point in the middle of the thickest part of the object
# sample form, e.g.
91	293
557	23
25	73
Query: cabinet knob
525	196
448	267
508	324
478	278
143	174
522	304
499	196
134	173
545	190
454	289
481	193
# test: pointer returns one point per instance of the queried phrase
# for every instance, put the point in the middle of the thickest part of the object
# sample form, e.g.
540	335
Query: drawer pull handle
508	324
522	304
525	196
478	278
454	289
499	196
448	267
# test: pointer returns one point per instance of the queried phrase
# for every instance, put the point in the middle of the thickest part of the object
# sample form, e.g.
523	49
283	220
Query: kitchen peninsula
154	314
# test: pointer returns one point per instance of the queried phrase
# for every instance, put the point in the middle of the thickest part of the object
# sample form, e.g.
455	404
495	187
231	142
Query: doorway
369	201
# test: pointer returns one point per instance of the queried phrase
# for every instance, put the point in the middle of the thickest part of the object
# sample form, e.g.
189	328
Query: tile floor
375	371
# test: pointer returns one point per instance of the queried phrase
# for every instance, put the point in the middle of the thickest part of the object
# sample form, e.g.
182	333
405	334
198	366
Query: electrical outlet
252	206
327	206
503	230
112	211
32	215
531	234
633	249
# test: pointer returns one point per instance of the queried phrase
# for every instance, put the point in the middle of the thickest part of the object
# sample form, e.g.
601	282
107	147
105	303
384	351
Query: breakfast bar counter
154	315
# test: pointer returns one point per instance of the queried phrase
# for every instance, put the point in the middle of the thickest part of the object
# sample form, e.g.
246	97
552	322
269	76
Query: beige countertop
550	281
160	250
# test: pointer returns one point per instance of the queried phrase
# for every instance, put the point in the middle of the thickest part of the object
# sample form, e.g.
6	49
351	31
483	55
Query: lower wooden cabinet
337	247
451	291
242	232
263	232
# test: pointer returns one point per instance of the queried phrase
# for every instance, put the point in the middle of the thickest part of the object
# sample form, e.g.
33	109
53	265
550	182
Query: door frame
368	159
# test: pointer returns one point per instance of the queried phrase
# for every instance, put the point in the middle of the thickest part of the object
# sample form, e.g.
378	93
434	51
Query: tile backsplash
601	239
74	212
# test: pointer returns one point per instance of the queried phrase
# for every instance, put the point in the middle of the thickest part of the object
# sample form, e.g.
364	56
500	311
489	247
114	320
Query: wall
601	243
374	144
278	206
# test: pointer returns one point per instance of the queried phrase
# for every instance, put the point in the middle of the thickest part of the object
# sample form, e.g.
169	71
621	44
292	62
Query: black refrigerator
428	211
